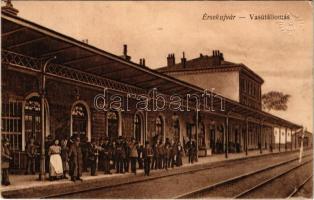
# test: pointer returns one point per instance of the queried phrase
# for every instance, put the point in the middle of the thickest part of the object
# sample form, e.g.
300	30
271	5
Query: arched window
201	135
212	135
137	128
159	127
32	118
113	125
79	120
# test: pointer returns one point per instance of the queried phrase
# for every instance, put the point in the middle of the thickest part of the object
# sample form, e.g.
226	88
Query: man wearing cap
85	146
106	152
161	153
147	154
120	154
75	155
139	149
31	150
126	158
93	153
65	157
155	156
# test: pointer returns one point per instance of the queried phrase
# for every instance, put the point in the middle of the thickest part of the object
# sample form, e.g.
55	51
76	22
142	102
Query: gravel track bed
234	188
306	191
172	186
284	185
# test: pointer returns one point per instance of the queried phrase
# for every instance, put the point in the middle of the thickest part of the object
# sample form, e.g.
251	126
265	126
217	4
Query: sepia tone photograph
156	99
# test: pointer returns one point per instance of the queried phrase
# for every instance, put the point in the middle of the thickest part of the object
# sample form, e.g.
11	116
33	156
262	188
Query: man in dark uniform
65	157
167	154
160	149
5	161
101	154
31	151
140	149
155	156
76	159
70	143
93	153
147	154
107	153
120	154
113	158
85	145
191	151
173	153
126	160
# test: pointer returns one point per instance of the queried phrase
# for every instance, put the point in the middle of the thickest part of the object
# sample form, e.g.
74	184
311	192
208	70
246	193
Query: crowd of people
122	155
76	155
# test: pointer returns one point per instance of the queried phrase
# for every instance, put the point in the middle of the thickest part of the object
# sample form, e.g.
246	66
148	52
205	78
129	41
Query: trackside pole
301	148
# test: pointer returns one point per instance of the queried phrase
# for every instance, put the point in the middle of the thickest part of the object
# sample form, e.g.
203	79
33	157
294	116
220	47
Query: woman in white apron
55	164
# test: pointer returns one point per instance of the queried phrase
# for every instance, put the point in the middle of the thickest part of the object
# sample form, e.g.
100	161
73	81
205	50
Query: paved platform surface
28	185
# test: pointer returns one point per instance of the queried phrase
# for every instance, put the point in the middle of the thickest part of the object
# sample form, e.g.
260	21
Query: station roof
33	40
209	63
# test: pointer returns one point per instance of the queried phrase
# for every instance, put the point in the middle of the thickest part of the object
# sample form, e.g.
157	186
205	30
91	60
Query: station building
50	81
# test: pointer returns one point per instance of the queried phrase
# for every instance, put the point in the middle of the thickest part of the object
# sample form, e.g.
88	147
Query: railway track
163	176
296	190
230	188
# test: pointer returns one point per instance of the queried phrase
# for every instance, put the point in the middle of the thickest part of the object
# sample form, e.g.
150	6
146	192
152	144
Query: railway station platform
28	186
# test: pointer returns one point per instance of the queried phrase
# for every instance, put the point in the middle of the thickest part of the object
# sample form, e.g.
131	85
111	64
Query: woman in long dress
55	164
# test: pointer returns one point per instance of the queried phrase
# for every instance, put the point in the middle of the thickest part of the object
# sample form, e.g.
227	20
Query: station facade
50	81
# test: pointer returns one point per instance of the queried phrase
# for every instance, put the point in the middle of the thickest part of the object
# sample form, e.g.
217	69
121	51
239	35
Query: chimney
85	41
125	53
183	60
221	56
125	50
8	8
171	61
217	57
142	62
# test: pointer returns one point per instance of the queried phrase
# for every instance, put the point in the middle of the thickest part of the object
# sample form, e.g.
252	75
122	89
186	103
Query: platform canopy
27	38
